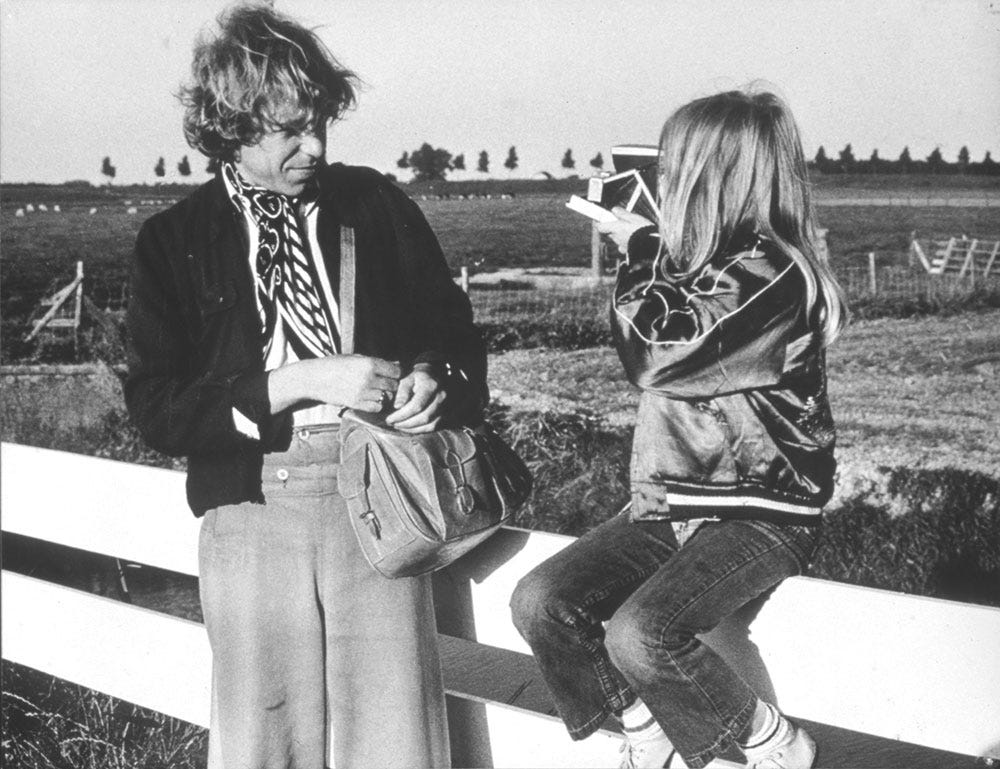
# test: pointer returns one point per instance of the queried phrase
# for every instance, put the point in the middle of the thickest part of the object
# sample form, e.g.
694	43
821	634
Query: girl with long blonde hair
721	314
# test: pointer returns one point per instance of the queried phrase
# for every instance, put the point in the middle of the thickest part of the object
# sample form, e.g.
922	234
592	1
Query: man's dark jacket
195	340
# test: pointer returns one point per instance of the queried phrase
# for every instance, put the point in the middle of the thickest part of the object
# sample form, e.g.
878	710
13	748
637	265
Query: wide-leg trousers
316	657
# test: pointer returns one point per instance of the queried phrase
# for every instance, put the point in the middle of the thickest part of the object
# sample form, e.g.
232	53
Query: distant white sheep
56	208
19	212
127	202
29	208
132	210
42	207
93	211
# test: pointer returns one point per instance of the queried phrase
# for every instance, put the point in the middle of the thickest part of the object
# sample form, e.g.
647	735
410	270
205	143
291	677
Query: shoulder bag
418	502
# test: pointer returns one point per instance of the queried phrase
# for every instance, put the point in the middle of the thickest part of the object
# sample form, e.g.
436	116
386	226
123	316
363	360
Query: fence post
465	279
596	252
872	282
822	234
77	309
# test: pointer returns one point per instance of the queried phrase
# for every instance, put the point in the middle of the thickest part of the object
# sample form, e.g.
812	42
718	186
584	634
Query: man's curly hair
263	70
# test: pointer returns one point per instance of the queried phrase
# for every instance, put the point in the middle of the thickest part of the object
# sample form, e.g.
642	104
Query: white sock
639	725
772	732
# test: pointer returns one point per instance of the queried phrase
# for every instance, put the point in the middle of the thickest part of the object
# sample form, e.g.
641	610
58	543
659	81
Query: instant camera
630	185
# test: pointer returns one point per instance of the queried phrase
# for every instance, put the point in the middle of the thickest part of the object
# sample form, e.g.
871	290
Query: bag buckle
371	520
466	497
463	492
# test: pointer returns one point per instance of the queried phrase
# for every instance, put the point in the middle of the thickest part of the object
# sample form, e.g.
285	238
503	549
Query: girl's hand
622	229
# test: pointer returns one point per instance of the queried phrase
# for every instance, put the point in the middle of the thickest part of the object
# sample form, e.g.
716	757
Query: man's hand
422	400
355	381
622	229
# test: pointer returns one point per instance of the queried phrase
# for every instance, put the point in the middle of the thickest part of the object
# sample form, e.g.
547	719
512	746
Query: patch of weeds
53	724
579	464
112	437
558	335
927	532
941	303
506	284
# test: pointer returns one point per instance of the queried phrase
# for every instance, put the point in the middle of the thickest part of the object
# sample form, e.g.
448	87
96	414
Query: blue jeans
654	597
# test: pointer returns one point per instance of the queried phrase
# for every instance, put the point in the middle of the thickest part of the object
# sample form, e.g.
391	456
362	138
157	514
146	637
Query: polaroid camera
630	185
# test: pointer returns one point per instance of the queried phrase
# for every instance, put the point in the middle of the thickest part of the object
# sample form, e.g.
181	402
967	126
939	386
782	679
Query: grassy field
531	229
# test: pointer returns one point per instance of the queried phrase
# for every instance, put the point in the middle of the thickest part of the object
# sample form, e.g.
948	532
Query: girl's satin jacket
733	420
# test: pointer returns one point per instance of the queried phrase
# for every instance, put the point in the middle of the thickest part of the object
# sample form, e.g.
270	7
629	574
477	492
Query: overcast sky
81	79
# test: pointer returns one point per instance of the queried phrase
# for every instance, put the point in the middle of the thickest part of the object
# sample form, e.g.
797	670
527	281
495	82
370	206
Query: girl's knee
633	635
625	637
537	601
526	602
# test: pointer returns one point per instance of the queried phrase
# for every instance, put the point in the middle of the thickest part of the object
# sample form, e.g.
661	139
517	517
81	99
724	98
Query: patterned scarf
288	283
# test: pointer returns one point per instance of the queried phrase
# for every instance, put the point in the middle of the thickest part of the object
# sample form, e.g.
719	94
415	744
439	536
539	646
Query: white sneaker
657	754
795	750
646	754
716	763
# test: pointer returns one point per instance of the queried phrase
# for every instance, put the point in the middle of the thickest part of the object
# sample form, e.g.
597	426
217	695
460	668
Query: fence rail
920	670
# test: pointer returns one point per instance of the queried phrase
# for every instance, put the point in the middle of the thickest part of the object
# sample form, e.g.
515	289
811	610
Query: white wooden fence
919	670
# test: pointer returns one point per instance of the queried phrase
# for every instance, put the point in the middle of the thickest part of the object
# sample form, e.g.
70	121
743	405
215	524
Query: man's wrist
288	385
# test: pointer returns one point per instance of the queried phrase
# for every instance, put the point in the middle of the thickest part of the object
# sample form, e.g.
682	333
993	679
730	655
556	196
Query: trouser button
282	474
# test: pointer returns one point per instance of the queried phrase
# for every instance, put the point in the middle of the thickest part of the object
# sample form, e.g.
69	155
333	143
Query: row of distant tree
433	163
429	163
846	163
108	170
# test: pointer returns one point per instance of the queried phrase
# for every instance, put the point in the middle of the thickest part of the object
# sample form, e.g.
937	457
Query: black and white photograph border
491	118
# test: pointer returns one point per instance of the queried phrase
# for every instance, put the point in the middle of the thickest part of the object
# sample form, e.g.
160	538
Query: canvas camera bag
418	502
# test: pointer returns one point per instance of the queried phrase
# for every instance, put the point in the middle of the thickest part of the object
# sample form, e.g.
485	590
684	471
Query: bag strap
347	289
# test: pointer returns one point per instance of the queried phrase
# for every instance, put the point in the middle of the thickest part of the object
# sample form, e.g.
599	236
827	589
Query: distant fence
552	304
909	283
920	670
541	305
560	297
985	199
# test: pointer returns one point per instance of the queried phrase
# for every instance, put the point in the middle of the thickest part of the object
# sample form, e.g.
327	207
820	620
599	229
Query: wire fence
554	305
542	306
575	314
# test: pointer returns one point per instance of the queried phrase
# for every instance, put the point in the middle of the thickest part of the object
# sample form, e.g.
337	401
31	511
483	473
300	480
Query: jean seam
802	557
613	695
729	734
588	727
663	646
694	599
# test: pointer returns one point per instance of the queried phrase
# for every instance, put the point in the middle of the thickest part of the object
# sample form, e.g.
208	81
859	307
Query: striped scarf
287	278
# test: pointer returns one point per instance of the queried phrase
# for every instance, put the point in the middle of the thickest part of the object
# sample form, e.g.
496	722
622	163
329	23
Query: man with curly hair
276	295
